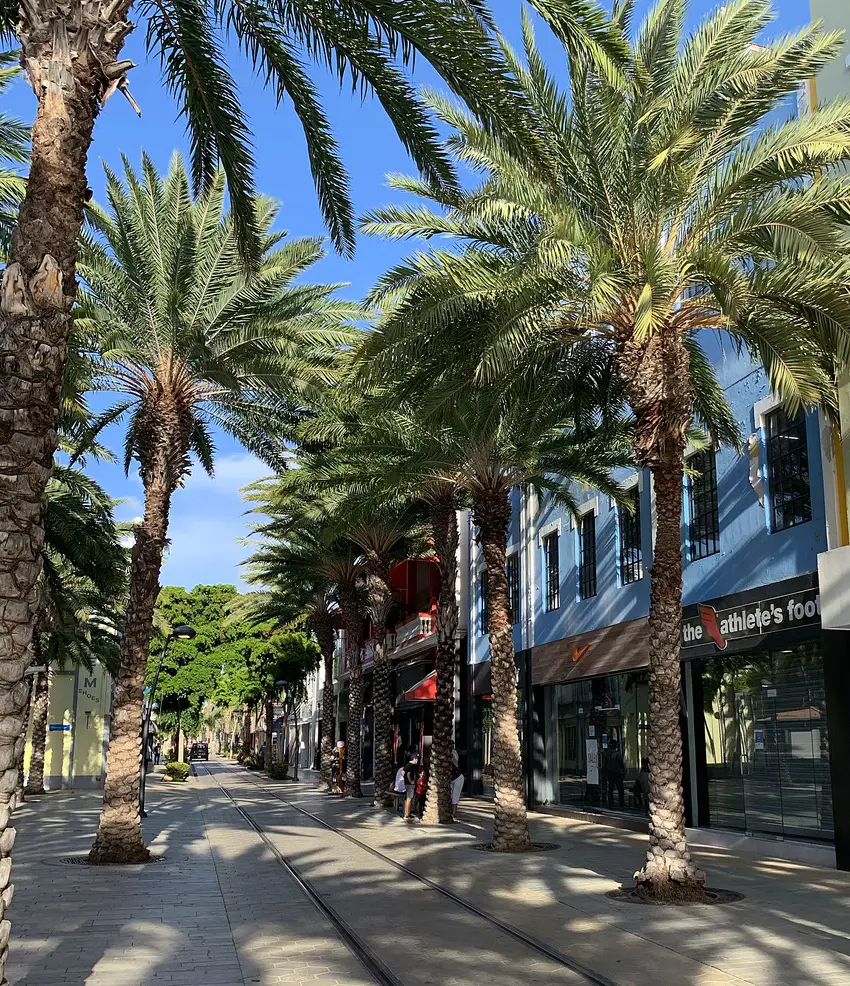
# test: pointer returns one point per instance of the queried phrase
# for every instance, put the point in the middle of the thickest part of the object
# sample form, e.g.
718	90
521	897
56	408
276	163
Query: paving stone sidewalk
220	911
791	929
217	911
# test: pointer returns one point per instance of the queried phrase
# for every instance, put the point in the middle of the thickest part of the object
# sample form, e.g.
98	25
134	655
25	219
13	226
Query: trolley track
355	944
372	963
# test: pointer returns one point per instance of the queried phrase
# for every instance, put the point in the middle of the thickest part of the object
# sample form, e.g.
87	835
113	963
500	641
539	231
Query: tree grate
534	847
84	861
630	895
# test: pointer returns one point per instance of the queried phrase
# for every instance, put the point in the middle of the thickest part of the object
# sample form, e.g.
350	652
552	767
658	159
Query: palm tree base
119	839
668	876
119	855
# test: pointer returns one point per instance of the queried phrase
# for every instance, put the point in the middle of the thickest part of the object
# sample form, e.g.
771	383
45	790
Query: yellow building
79	710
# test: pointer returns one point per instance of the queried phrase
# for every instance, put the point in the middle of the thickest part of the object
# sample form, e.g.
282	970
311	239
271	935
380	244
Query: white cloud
232	473
204	549
129	508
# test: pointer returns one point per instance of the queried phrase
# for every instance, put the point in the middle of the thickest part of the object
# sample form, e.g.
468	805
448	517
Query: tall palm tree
189	340
373	451
667	207
380	535
301	543
485	443
292	586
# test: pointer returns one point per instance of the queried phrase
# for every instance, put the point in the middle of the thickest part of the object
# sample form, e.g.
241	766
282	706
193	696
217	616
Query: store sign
796	609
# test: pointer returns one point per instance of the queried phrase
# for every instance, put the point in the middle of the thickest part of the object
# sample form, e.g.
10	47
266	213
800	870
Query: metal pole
145	727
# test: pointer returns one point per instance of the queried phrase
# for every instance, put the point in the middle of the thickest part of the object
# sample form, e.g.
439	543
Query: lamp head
183	632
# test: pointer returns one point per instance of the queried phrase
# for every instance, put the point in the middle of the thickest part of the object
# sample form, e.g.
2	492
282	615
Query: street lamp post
181	632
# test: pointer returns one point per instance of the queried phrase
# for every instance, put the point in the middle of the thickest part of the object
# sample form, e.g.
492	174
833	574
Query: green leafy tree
280	666
667	207
214	668
189	340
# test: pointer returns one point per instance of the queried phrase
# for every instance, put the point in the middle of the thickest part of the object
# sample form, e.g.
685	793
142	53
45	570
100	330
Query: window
553	575
787	470
703	520
484	608
631	556
587	555
512	569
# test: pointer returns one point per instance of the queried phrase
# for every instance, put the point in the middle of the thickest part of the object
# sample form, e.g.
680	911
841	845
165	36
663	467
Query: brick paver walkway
792	928
220	910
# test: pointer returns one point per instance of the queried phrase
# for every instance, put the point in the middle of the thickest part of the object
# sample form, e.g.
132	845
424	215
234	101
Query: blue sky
208	515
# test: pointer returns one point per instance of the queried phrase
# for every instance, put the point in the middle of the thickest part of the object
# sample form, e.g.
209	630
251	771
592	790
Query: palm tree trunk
20	790
668	866
658	385
246	729
35	315
351	616
35	778
438	807
119	835
267	760
510	820
382	705
379	602
325	636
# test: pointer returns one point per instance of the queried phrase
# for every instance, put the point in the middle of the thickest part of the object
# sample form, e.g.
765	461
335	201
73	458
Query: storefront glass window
591	720
766	743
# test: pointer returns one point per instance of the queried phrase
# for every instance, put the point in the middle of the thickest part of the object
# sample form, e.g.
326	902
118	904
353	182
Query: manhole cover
84	861
534	847
630	895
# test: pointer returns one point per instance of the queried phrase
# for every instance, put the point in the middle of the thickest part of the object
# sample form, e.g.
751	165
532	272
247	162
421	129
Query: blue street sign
59	727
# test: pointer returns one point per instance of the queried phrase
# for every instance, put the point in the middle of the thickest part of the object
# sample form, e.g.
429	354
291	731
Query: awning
611	650
424	691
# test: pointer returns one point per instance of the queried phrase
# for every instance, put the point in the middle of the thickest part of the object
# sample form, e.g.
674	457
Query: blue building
755	708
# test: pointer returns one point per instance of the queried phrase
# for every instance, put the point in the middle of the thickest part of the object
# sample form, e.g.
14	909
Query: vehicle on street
199	751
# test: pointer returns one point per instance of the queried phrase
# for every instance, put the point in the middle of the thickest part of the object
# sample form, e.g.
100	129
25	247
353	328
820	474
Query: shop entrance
597	726
767	755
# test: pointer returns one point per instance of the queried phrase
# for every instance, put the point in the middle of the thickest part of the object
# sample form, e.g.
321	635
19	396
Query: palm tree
83	579
659	214
300	545
380	534
372	451
295	593
485	443
190	341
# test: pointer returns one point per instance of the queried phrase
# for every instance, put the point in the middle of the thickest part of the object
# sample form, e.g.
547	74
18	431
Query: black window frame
586	524
484	609
788	479
703	505
552	567
631	543
512	575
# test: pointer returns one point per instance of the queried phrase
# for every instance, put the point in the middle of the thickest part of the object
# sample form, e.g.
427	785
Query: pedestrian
615	773
457	783
411	776
421	790
398	786
641	788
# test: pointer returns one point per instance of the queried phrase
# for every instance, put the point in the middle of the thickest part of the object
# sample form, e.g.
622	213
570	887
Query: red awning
424	691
